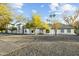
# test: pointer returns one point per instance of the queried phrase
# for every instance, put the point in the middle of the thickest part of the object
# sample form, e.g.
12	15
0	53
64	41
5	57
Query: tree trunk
35	31
22	29
55	32
6	29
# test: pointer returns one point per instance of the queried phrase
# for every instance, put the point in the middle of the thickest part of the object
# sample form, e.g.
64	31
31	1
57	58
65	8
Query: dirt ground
39	45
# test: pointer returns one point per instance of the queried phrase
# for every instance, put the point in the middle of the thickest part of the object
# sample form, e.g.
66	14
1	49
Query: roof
64	26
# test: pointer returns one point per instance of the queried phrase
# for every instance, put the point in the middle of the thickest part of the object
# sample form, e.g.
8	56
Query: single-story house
65	29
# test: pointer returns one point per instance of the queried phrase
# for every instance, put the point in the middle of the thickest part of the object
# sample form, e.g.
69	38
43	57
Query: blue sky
44	9
39	8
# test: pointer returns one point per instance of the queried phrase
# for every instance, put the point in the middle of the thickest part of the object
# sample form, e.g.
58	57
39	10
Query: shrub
13	28
40	33
47	30
76	31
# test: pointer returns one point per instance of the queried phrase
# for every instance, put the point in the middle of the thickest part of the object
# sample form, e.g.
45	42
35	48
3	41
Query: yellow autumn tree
36	21
46	27
5	15
55	26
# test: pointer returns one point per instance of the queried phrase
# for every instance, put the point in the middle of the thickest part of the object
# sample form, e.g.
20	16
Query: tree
44	26
12	28
76	24
5	15
20	18
55	26
76	27
36	21
28	25
71	19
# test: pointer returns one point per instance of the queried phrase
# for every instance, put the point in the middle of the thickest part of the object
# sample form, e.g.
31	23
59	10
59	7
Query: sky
45	9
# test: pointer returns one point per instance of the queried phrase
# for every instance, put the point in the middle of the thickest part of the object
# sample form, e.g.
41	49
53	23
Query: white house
65	29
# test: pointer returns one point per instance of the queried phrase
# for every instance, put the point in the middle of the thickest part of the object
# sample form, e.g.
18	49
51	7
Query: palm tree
53	16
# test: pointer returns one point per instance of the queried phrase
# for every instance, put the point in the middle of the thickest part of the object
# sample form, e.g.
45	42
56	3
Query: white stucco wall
52	32
65	32
72	31
27	31
59	31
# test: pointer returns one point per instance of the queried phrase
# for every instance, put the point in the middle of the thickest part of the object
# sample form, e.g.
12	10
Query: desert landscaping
39	29
40	45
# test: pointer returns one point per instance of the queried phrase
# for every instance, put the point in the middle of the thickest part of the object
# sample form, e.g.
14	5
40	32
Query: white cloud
20	11
63	8
58	13
53	6
68	7
34	11
60	9
18	5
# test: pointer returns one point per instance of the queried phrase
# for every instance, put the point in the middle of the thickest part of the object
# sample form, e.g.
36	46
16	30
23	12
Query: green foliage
76	31
44	26
47	30
76	27
36	23
28	25
1	29
13	28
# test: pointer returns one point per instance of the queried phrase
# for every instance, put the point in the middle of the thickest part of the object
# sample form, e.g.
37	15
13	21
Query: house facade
65	29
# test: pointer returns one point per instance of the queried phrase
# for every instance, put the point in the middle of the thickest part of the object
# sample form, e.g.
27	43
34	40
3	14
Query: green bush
76	31
47	30
40	33
1	29
13	28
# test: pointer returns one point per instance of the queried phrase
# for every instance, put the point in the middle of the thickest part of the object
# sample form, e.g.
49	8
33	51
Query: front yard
43	45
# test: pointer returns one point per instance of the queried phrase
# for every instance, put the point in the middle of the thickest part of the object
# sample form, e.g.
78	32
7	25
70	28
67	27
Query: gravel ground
40	45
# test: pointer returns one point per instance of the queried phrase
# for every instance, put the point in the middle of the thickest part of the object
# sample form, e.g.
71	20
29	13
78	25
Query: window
62	30
69	30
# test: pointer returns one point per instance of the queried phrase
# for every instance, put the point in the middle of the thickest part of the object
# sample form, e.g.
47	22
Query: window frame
68	30
62	30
